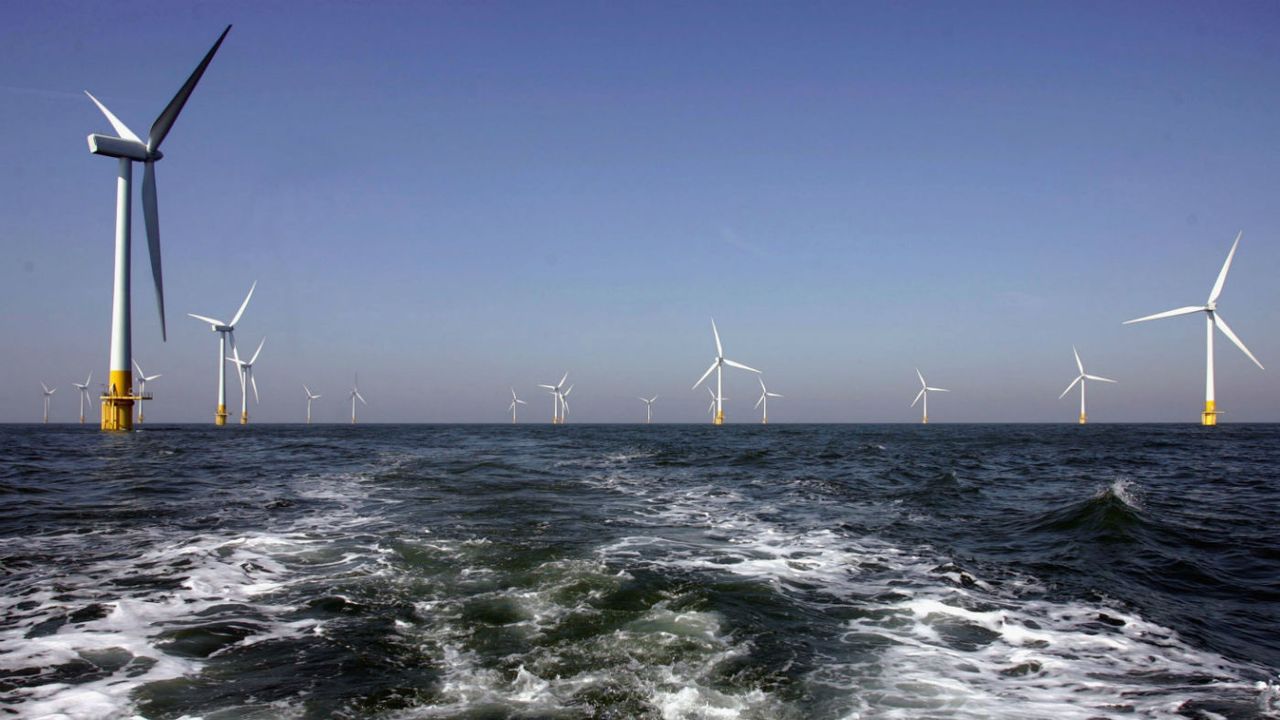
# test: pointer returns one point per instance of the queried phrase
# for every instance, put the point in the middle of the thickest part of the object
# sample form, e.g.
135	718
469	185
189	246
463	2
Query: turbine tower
717	365
128	148
246	379
310	397
1211	319
764	400
557	398
1080	379
648	408
84	394
225	331
48	394
355	395
514	402
924	393
142	386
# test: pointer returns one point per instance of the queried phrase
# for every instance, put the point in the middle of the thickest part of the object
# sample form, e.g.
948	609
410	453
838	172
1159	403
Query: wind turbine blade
513	393
1099	379
1222	275
714	331
138	368
759	401
254	359
654	399
1168	313
918	396
160	128
566	377
512	406
566	392
704	376
1079	365
922	382
44	387
1073	384
306	390
938	389
254	382
209	320
773	394
521	402
361	398
549	387
243	305
151	218
121	129
1222	325
739	365
149	378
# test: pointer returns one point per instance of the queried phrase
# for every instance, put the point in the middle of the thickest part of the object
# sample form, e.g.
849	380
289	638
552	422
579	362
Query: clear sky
456	198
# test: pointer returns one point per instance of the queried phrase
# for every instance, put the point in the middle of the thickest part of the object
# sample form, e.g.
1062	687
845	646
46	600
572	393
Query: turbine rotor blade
739	365
1168	313
1073	384
254	359
705	375
243	305
1222	275
759	401
1098	378
918	396
254	382
1222	325
209	320
922	382
934	389
714	331
1079	365
121	129
151	218
160	128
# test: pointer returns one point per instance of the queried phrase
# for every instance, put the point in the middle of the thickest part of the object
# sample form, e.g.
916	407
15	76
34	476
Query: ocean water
666	572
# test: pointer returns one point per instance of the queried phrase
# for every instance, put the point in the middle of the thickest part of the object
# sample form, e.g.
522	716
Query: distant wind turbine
1212	318
648	408
84	394
514	402
225	331
142	388
246	379
47	395
711	409
557	398
1080	379
717	365
355	395
924	393
764	400
564	404
310	397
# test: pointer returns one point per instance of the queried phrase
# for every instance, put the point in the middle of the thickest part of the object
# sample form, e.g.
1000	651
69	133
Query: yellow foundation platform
220	417
1210	414
1083	419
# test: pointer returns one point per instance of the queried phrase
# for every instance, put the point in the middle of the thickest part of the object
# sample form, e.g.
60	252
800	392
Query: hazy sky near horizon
457	198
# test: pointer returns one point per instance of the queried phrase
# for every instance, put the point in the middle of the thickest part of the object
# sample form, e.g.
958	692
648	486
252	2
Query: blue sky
457	198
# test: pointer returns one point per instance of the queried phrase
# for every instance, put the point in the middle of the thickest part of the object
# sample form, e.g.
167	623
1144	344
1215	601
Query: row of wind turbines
119	397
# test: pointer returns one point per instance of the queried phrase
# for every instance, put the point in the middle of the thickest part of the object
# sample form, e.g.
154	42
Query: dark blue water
1012	571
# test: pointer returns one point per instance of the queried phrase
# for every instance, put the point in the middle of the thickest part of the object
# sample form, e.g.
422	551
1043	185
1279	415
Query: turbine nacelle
121	148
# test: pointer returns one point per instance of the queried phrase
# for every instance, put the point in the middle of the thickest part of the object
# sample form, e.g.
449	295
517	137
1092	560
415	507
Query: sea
640	571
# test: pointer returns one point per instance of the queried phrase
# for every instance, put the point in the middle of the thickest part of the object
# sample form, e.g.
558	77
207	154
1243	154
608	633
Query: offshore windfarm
447	218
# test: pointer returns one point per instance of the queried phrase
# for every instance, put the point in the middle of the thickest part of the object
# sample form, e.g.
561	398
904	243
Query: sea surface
629	571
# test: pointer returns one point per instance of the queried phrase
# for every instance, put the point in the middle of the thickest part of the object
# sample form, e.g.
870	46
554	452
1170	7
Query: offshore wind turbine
557	398
924	393
764	400
1080	379
84	394
564	404
225	331
246	379
310	397
514	402
1211	319
47	395
717	365
128	148
355	395
142	387
648	408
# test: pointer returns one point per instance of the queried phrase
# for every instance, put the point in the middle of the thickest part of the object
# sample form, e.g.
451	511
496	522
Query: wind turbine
310	397
564	404
711	409
1080	379
355	395
84	394
1212	318
924	393
128	148
246	379
142	387
717	365
648	408
225	331
47	395
556	417
764	400
514	402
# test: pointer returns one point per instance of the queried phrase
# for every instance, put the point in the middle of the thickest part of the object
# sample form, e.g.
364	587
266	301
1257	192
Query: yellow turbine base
719	417
924	420
1210	414
117	403
220	417
1083	419
244	417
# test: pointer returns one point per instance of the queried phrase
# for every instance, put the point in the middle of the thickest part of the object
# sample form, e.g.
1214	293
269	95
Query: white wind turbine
514	402
924	393
48	394
84	394
225	331
557	398
1212	318
764	400
355	395
564	404
128	148
142	387
246	379
310	397
1080	379
648	408
717	365
711	409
